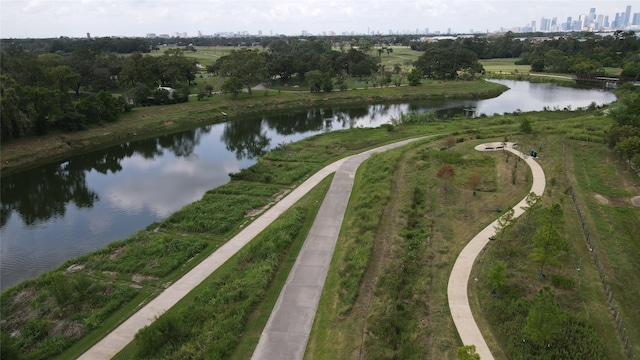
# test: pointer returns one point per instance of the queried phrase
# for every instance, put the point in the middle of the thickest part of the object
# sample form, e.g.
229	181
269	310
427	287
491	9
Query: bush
562	282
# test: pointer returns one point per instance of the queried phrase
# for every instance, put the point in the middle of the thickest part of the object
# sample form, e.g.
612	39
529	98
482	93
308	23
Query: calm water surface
64	210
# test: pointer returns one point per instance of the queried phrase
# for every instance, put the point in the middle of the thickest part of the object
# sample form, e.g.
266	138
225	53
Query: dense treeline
38	87
624	136
312	60
43	90
68	83
584	53
589	54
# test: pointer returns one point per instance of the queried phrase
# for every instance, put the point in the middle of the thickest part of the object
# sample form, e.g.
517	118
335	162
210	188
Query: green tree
359	64
141	94
175	68
544	319
497	276
314	78
626	110
586	66
137	68
632	69
232	85
99	108
628	148
532	201
46	107
620	132
63	77
504	225
525	126
448	61
415	77
555	61
248	66
548	244
81	62
468	352
14	119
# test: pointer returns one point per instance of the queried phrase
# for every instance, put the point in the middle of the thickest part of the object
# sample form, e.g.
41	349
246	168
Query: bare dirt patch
75	267
116	253
621	202
260	210
139	277
602	199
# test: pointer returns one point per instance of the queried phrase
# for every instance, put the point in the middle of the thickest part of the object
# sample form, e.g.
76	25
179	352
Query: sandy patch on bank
635	201
602	200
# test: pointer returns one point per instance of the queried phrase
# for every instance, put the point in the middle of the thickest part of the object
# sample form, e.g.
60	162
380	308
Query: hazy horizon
128	18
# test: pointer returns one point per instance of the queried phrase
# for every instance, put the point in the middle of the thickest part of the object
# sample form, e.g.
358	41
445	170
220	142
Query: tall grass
211	324
370	196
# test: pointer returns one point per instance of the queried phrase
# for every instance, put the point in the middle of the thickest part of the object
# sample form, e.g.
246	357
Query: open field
504	66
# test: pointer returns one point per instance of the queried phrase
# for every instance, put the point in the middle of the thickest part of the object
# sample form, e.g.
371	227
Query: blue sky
74	18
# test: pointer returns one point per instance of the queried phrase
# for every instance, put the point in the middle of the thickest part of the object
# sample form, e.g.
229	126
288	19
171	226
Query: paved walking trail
326	226
287	331
457	288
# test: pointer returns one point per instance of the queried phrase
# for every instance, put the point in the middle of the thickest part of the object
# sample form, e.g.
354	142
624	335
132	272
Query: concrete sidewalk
123	334
458	280
116	340
287	331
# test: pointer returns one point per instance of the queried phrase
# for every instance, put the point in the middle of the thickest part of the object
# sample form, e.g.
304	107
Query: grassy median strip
399	308
211	321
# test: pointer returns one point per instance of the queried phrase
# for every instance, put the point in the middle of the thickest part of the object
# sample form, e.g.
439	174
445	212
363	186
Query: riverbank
148	122
63	303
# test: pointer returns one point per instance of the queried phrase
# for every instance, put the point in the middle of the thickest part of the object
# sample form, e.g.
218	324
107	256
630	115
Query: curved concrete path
457	288
327	224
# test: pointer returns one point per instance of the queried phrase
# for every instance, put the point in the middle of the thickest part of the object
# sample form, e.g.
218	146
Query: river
67	209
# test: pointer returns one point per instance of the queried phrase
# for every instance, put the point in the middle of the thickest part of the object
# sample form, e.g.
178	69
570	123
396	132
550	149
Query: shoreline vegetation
145	122
63	312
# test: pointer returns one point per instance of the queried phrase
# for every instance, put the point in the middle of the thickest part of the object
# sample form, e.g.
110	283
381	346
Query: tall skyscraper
599	22
627	15
581	22
544	24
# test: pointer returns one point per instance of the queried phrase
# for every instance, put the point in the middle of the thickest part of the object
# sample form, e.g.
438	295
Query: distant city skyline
192	18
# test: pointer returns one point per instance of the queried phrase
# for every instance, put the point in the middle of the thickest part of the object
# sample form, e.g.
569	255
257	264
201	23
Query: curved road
458	280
